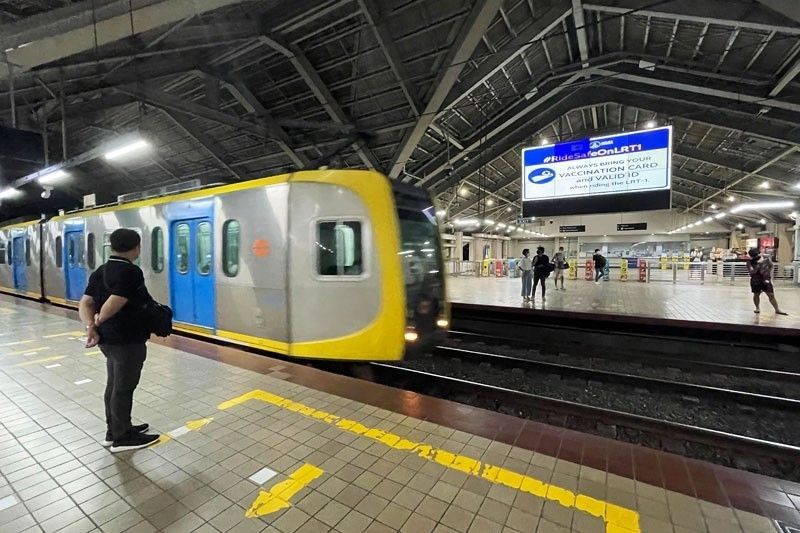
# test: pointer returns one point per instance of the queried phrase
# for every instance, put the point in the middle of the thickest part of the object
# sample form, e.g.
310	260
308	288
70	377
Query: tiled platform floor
54	475
712	302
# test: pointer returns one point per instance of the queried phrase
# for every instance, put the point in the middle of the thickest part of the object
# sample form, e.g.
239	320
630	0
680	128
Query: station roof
440	94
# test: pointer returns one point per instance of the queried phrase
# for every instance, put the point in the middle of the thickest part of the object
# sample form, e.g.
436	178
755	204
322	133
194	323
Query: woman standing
525	265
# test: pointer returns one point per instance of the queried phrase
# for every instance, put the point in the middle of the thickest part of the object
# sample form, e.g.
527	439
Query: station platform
259	444
712	303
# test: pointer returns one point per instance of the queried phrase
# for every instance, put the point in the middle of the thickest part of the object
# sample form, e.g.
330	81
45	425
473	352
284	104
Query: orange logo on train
260	248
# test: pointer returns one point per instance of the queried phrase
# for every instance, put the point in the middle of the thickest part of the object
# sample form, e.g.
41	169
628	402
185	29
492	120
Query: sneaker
109	440
133	441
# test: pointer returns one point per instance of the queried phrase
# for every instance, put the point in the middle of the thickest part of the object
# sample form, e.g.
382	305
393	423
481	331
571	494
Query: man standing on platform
760	269
560	263
112	310
599	265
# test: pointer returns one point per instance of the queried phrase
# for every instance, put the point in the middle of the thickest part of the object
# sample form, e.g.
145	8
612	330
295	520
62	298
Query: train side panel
20	265
252	275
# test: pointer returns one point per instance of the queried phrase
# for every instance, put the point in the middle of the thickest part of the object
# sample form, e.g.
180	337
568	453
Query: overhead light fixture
463	191
9	193
740	225
763	206
508	209
544	142
466	221
441	213
764	185
489	201
720	215
650	124
127	150
488	222
712	206
512	227
731	198
52	177
501	225
708	219
762	221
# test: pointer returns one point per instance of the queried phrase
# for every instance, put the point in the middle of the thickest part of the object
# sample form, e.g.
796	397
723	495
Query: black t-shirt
541	263
120	277
599	261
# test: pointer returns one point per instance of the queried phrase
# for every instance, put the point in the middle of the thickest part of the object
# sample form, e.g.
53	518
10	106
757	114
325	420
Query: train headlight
442	322
411	335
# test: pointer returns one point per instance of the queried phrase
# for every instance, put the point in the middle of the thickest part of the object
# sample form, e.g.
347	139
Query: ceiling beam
544	23
787	77
578	16
321	92
472	30
216	152
80	27
371	10
716	12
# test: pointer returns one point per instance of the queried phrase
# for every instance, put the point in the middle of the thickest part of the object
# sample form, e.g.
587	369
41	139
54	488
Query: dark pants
538	279
598	273
124	366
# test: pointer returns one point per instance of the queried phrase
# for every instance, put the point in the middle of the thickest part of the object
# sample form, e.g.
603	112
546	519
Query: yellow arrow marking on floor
37	361
67	334
617	519
278	496
194	425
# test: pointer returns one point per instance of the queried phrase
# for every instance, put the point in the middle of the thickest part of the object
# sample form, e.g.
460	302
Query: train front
427	313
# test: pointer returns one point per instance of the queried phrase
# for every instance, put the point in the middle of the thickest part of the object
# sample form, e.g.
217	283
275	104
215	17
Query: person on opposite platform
599	265
112	309
525	265
541	270
559	265
760	270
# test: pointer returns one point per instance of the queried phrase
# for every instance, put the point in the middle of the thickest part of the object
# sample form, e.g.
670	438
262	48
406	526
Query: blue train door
74	271
192	272
18	260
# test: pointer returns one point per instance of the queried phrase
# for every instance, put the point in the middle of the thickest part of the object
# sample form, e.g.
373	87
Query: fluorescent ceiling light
489	201
731	198
441	213
708	219
8	193
463	191
650	124
466	222
720	215
52	177
488	222
508	209
544	142
762	206
740	225
764	185
127	150
763	221
501	225
712	206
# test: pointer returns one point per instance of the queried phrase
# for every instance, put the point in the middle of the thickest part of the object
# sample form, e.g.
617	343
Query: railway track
724	425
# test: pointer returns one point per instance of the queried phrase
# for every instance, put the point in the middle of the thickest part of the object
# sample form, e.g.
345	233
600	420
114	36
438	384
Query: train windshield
421	258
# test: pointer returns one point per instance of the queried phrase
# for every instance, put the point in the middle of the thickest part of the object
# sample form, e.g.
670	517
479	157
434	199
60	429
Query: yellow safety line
617	519
95	352
37	361
278	496
26	350
18	343
67	334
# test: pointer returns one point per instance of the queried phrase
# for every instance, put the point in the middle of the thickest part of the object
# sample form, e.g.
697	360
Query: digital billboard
615	173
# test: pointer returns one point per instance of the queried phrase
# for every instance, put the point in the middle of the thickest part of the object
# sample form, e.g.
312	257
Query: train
325	264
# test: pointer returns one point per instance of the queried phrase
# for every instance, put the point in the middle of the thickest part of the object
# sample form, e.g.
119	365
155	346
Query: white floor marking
7	502
53	366
175	433
83	382
262	476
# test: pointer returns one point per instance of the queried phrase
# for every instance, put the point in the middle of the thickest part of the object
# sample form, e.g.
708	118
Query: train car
20	268
333	264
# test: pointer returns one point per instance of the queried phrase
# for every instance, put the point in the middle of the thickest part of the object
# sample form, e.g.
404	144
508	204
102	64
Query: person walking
112	310
760	270
541	270
525	265
559	264
599	265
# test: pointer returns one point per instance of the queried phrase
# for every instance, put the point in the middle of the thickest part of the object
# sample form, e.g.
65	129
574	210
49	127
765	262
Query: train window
182	247
157	250
28	251
90	256
339	251
203	248
231	241
72	259
59	252
2	253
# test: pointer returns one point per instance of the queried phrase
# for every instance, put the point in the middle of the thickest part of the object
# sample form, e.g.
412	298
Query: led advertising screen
615	173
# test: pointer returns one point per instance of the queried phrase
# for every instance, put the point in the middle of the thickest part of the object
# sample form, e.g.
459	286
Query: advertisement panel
599	174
